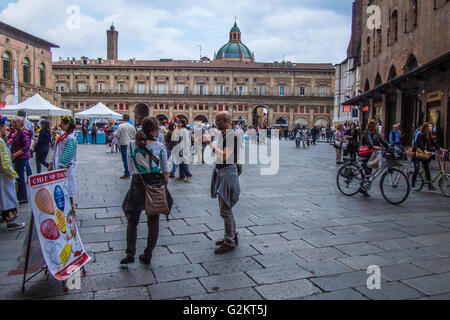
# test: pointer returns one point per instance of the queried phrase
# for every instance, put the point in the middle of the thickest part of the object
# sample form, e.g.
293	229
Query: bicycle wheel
419	181
349	179
444	185
394	186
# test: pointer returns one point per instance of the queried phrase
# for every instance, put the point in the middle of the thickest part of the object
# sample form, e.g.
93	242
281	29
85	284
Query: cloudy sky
298	30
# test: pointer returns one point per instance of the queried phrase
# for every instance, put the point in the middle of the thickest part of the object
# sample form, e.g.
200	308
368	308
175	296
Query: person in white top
126	133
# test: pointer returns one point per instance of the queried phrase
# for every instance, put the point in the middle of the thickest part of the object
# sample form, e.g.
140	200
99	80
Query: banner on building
60	241
16	88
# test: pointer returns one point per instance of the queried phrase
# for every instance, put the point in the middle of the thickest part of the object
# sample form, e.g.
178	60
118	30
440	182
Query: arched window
367	86
392	73
26	70
411	63
368	49
393	27
6	58
377	80
42	75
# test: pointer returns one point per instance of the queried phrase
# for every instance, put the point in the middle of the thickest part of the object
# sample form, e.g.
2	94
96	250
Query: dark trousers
152	237
94	138
85	140
123	151
28	168
426	167
41	157
19	167
184	170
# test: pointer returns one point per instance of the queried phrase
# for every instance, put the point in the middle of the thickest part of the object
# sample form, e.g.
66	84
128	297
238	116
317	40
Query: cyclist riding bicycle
427	146
374	141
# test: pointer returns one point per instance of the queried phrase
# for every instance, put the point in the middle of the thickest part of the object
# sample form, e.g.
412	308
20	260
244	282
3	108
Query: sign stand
27	257
45	268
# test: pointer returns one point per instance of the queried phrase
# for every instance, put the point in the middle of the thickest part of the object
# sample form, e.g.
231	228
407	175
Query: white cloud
174	29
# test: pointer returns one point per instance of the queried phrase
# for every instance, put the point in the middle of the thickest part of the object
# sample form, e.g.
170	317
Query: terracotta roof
12	32
193	64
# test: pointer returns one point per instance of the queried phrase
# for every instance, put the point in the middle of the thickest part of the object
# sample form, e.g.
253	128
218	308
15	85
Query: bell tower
235	34
112	43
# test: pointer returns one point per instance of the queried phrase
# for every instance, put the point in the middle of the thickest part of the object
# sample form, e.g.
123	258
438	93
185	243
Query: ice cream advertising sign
55	222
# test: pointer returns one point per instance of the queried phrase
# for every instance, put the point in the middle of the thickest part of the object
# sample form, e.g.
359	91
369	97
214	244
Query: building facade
32	59
196	89
348	74
405	66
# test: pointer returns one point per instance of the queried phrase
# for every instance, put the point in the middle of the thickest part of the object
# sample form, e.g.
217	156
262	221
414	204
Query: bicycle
394	184
444	181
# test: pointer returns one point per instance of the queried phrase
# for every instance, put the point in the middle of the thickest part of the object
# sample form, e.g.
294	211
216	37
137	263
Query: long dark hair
425	129
69	120
45	125
149	125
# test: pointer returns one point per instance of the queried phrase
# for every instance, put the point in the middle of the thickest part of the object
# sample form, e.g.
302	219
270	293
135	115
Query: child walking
66	156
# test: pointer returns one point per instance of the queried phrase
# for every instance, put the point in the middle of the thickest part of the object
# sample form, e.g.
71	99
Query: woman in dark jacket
20	153
43	145
352	135
169	146
428	145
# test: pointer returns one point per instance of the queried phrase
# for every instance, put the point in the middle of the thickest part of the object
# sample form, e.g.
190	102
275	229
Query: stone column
383	109
250	115
171	110
151	109
291	117
399	115
270	116
191	113
311	117
132	113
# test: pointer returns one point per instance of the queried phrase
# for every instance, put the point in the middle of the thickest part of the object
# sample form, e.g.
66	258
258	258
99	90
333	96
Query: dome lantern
235	50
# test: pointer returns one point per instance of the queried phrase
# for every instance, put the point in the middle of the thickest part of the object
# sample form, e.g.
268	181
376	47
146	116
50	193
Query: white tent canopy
100	111
36	106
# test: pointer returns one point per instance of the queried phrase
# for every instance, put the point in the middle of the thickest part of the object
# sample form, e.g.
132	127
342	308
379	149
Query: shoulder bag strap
135	164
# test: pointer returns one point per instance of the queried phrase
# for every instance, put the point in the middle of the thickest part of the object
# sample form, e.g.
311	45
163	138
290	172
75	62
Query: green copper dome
234	50
235	28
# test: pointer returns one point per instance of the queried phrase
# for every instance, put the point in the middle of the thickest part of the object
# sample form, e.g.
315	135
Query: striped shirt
68	153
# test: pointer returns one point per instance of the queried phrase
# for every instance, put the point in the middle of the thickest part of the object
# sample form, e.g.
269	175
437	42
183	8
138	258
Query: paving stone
347	229
342	281
176	289
277	247
424	229
363	262
305	234
445	297
312	254
90	230
246	294
183	247
350	221
330	241
442	250
187	271
359	249
380	235
396	244
97	247
432	239
321	268
76	297
277	274
431	285
179	230
262	239
200	256
403	256
391	291
380	226
137	293
167	240
402	272
231	266
311	224
287	290
169	260
434	265
227	282
274	228
116	280
277	259
348	294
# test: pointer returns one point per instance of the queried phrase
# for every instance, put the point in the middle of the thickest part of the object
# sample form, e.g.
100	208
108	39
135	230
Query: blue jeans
28	168
184	171
123	151
174	165
19	167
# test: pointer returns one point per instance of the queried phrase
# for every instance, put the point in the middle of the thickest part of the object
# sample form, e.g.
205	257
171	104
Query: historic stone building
32	58
291	93
405	64
348	73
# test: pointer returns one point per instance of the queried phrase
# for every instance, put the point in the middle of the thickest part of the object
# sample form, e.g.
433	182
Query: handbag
365	151
337	144
420	154
155	197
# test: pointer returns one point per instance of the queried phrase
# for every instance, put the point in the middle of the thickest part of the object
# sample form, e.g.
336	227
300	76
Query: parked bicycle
394	184
444	181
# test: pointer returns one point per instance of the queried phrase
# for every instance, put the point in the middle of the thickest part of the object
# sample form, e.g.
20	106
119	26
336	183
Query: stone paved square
299	238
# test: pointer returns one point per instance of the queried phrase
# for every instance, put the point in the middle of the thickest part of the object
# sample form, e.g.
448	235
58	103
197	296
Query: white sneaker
15	226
